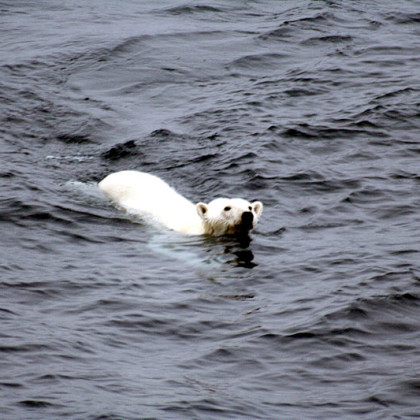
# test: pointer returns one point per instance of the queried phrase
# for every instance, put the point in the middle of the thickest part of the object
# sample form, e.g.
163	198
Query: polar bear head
229	215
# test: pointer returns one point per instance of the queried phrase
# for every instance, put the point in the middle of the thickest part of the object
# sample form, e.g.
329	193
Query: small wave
258	61
315	334
20	213
11	385
304	91
383	310
74	138
366	195
395	211
411	386
188	9
405	174
319	182
36	403
323	17
282	33
403	17
308	131
332	39
24	348
396	92
121	150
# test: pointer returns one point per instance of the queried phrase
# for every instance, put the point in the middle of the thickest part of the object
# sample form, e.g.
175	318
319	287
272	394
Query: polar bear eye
250	208
227	208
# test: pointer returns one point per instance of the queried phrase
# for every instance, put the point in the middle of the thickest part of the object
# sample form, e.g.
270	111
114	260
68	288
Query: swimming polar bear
150	196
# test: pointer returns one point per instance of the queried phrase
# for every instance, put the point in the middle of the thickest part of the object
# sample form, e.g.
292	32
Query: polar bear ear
257	207
201	210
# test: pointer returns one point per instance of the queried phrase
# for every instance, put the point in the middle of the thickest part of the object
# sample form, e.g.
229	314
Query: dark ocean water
312	107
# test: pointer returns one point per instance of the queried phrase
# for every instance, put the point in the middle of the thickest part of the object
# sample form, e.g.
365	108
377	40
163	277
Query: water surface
310	107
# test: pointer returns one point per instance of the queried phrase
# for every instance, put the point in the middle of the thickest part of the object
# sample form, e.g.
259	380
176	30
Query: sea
312	107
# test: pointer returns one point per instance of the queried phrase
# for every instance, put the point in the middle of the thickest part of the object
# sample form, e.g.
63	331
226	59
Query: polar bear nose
247	218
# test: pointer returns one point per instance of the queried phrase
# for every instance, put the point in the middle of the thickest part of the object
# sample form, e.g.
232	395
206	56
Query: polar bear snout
247	219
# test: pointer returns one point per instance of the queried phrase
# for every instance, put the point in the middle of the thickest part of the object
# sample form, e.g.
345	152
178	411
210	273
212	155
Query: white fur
150	196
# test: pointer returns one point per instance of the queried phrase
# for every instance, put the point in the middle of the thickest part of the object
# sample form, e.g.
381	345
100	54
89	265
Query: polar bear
149	196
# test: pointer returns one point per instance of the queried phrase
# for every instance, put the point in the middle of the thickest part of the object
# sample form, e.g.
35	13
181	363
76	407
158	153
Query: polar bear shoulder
150	196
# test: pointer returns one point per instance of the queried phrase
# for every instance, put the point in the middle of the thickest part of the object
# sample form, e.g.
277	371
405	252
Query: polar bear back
150	196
